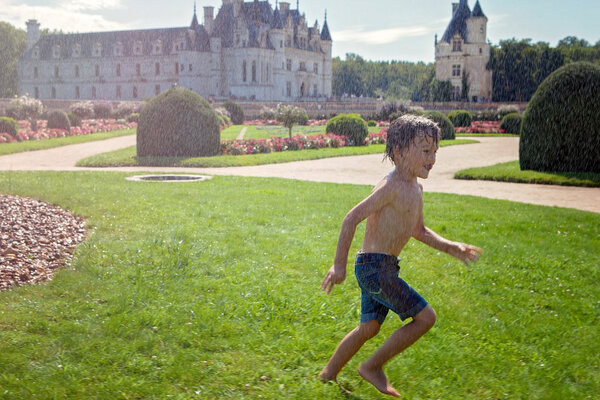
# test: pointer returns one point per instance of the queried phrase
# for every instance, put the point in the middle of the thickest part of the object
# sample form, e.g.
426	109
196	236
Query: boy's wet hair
405	129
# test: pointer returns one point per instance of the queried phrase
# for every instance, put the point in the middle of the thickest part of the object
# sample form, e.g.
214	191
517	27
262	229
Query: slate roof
477	11
458	24
325	35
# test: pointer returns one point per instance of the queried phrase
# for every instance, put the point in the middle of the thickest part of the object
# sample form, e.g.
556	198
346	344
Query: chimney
284	7
237	8
208	18
33	33
454	7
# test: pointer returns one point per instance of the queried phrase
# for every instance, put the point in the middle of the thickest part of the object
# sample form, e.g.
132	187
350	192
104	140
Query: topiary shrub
443	122
133	117
511	123
350	125
74	119
235	112
460	118
58	120
83	109
178	123
103	109
561	125
371	123
8	125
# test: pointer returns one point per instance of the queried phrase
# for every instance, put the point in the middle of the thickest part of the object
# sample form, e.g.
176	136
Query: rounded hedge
561	125
460	118
74	119
8	125
350	125
58	120
371	123
511	123
443	122
178	123
236	112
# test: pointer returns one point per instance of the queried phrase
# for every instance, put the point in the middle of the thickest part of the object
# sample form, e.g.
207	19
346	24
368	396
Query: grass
32	145
511	172
265	132
127	157
209	290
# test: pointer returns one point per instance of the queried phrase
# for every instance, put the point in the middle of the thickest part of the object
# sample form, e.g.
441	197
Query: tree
290	116
13	43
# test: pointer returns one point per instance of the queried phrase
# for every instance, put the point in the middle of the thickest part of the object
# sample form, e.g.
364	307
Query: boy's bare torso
389	229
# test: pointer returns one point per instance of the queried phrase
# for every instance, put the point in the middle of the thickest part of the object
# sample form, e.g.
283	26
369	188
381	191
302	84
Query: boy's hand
465	252
333	277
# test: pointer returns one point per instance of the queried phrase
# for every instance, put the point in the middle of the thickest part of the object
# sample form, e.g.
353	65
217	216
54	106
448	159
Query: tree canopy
13	43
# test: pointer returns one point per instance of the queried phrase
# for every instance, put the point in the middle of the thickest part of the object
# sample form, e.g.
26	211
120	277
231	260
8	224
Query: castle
464	50
248	51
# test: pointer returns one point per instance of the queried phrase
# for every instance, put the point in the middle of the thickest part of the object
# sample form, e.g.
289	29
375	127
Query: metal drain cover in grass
168	178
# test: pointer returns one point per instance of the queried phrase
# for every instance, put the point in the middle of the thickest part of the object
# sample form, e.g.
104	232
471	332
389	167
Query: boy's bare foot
378	379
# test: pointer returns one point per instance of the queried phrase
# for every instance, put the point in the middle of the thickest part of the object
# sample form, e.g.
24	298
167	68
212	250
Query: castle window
118	49
315	90
36	90
138	69
316	68
481	29
77	71
281	44
97	70
35	72
118	94
288	89
157	90
36	53
93	92
288	41
76	52
455	92
97	52
135	92
176	68
190	67
157	68
480	50
244	71
137	48
456	45
253	71
56	51
456	70
302	66
56	74
157	46
53	92
77	92
288	64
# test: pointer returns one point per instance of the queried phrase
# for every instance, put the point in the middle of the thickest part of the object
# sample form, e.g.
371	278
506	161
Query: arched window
244	71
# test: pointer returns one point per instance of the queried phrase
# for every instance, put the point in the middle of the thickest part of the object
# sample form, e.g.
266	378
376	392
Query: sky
379	30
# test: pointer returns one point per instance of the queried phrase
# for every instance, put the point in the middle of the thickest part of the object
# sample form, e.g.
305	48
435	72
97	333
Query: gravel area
36	238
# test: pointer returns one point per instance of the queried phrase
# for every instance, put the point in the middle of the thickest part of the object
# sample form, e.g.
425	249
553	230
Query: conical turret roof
477	11
458	24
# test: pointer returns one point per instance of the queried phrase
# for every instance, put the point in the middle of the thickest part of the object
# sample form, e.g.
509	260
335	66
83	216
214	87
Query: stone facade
248	51
464	50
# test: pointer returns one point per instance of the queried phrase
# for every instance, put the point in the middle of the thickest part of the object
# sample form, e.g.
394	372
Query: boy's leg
372	369
348	347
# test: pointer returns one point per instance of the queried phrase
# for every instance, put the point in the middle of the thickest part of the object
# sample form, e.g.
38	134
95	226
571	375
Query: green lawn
265	132
210	290
511	172
127	157
32	145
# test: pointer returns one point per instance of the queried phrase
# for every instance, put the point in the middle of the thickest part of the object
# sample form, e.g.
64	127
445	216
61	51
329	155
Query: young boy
394	213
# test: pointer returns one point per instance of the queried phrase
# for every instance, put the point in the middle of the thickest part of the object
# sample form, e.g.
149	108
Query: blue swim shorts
382	290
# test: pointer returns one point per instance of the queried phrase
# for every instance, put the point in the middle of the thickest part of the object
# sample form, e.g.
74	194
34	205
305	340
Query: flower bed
481	127
298	142
88	126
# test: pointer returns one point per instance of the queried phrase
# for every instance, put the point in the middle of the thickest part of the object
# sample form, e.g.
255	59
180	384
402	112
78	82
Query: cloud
65	15
386	35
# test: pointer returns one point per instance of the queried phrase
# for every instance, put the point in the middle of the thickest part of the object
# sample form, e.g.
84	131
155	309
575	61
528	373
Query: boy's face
419	158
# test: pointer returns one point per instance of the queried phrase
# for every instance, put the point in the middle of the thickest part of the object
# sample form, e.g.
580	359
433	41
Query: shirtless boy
394	213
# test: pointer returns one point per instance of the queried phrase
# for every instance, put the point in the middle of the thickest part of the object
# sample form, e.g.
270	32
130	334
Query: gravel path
364	170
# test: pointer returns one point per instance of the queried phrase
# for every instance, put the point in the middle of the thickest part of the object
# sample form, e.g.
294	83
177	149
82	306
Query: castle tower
463	50
326	43
33	33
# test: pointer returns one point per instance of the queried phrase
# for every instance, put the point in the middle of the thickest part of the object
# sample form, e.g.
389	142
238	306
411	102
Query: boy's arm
380	196
464	252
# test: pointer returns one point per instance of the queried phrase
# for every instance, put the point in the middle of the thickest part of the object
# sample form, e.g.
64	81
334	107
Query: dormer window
36	53
456	45
56	51
137	48
180	44
118	49
76	51
157	47
97	50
